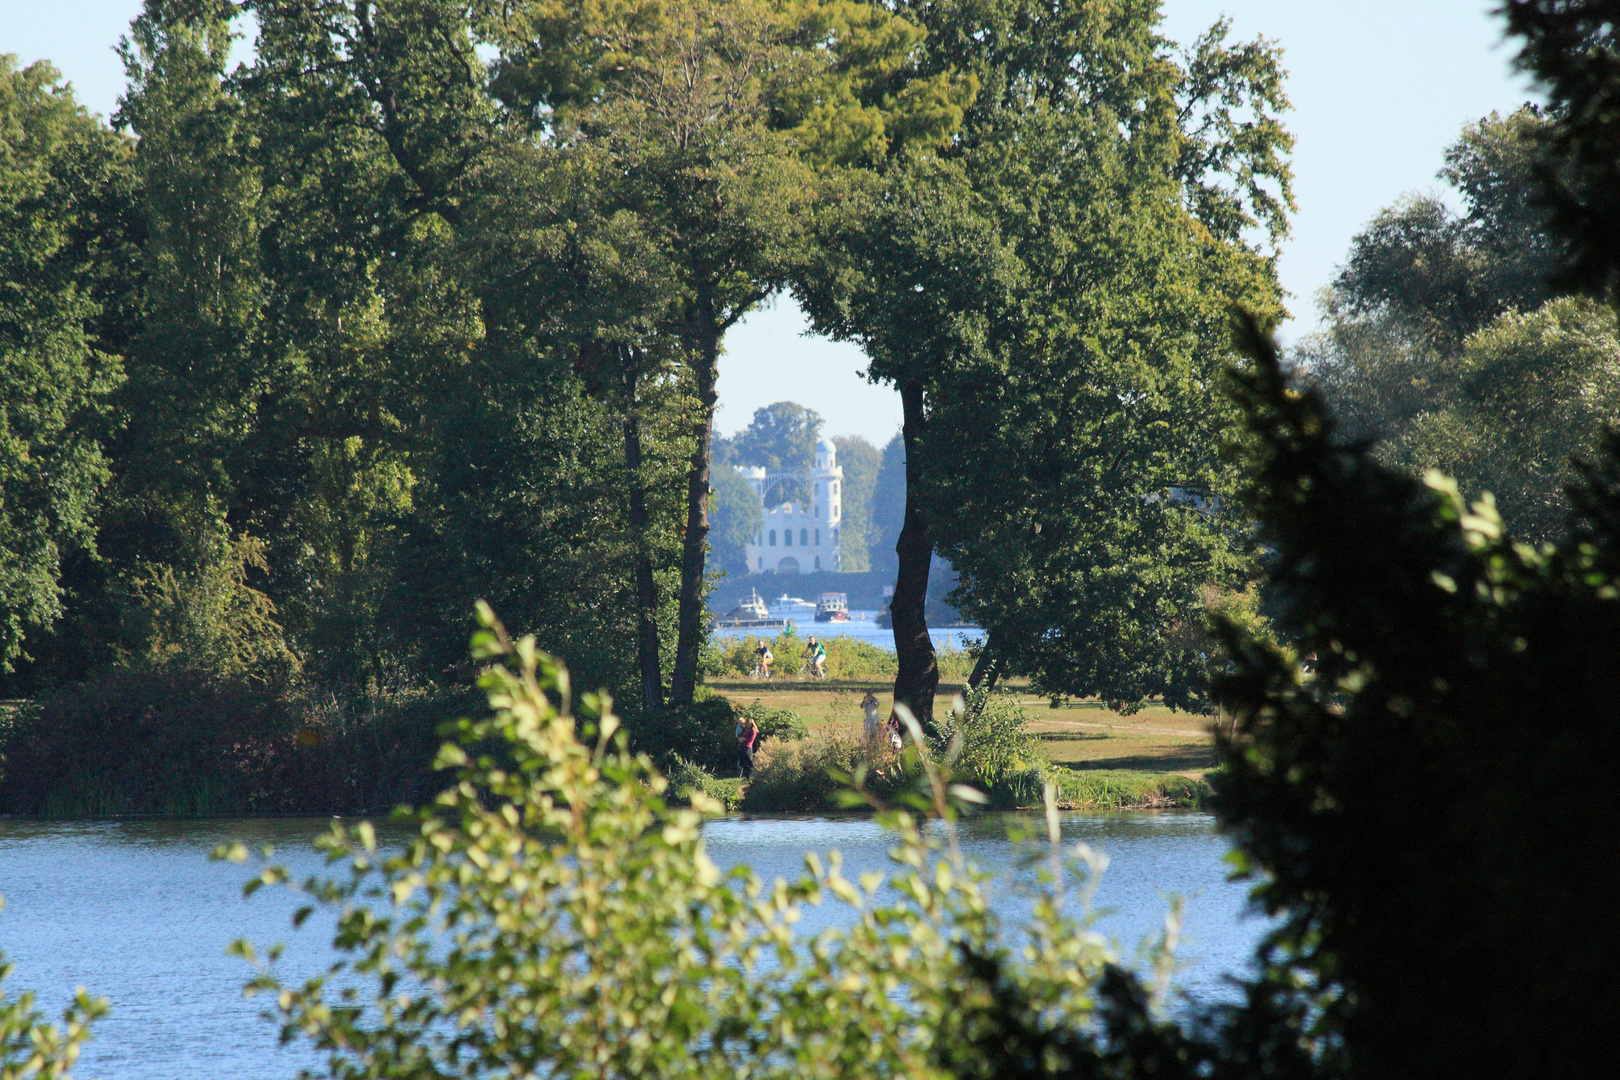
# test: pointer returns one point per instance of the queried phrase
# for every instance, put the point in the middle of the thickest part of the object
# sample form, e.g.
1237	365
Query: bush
178	743
986	736
686	778
704	733
802	777
848	659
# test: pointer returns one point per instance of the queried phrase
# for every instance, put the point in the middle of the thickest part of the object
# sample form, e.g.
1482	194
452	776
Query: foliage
735	518
986	735
589	931
1441	276
780	438
1053	310
59	172
848	659
30	1048
686	778
174	742
857	535
1443	343
1119	789
704	734
888	504
211	620
1571	49
806	777
1461	696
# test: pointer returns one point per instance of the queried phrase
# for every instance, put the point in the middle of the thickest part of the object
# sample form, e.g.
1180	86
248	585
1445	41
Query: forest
307	354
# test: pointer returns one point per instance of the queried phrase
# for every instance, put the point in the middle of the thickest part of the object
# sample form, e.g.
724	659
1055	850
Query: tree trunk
918	674
987	668
652	676
705	346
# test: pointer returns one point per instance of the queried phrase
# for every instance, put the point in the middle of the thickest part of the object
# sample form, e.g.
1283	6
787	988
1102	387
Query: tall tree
707	116
1027	292
62	174
781	438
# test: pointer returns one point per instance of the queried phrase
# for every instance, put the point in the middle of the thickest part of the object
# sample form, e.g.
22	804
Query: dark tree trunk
918	674
652	676
689	620
987	668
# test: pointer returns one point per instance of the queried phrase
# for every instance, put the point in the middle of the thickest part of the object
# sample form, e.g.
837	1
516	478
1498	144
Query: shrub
179	743
593	935
29	1047
987	738
685	778
705	733
803	777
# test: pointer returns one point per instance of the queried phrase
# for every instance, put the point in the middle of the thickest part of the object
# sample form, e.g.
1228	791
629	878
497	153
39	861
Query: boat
751	614
832	607
791	607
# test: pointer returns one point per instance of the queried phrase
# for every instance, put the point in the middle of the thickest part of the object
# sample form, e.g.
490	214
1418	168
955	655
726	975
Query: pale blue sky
1379	88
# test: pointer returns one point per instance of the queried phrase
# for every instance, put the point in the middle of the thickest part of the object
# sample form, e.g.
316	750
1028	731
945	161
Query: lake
861	627
135	912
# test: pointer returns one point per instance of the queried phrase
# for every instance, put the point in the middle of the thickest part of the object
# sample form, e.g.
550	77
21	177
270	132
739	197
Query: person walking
869	706
747	736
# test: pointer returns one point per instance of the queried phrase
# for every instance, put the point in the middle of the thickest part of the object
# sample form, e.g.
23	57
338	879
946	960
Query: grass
1082	736
1102	760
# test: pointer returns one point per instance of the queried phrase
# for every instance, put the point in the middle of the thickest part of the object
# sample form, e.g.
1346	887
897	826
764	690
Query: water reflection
137	913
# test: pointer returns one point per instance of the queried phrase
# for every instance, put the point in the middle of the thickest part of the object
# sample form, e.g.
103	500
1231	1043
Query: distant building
798	536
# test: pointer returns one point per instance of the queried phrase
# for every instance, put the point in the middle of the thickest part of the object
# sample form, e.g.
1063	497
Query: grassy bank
184	745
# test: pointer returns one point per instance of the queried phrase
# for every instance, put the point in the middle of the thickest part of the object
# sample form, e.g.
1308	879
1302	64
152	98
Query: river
135	912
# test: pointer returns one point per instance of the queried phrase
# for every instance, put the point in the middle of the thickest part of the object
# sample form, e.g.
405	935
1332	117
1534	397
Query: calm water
135	912
862	628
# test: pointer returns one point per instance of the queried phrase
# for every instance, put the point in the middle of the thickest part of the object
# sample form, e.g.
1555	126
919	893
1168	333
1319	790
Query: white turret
798	535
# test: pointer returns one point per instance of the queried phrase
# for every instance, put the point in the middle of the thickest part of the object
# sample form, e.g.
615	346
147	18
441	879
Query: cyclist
818	657
762	661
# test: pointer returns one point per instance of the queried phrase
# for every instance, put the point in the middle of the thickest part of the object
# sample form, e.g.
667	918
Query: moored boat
751	614
791	607
832	607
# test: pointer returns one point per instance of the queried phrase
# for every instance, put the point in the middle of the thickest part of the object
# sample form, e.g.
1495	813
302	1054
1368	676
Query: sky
1379	88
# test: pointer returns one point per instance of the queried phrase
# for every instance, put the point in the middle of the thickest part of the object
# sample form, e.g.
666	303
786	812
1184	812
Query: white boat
791	607
751	614
832	607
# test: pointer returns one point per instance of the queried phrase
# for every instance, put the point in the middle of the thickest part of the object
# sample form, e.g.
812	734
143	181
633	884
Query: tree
888	504
60	178
781	438
1571	49
860	461
707	119
1028	294
1532	393
1442	276
736	516
1433	308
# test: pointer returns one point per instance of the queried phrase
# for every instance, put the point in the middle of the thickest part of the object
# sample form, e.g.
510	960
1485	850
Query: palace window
818	538
787	537
804	537
773	538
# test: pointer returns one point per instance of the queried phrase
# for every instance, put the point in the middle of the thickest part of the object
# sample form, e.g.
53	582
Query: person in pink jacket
747	736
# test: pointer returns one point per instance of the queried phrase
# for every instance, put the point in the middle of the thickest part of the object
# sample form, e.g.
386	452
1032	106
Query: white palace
797	535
